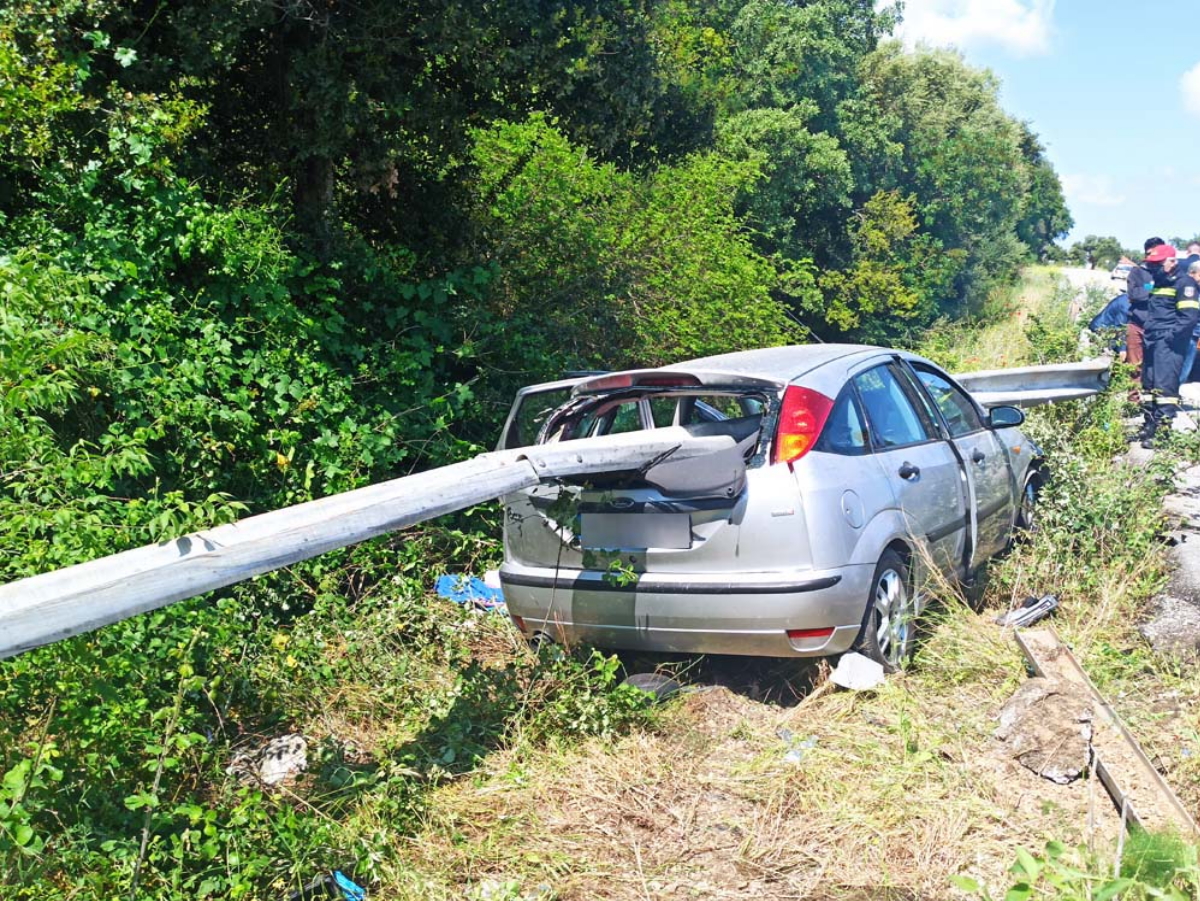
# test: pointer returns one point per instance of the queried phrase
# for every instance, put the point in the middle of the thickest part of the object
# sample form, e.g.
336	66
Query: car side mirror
1005	417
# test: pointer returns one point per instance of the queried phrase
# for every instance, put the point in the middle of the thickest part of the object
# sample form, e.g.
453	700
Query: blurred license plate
636	530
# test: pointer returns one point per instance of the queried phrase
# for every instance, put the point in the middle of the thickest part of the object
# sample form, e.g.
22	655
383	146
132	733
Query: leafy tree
1105	251
612	269
930	126
895	274
1044	215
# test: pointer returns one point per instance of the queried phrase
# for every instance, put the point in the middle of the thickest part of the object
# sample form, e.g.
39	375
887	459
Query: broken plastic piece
858	673
1031	610
470	591
335	885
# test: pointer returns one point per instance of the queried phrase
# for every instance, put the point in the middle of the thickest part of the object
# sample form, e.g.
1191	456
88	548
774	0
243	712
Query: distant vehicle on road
1121	271
856	471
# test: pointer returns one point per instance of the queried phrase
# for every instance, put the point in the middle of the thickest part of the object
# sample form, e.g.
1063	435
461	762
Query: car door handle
978	456
908	471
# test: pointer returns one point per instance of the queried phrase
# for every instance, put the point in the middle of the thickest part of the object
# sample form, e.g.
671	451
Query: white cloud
1094	190
1189	86
1020	26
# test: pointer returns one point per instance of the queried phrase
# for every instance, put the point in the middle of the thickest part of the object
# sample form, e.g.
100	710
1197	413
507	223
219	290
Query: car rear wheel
887	629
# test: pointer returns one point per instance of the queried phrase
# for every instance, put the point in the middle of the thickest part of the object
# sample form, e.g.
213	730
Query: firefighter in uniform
1169	329
1138	286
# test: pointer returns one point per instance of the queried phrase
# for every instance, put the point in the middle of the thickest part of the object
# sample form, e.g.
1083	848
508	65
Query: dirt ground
834	795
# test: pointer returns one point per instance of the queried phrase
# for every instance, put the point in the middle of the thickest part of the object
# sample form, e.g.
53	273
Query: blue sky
1114	95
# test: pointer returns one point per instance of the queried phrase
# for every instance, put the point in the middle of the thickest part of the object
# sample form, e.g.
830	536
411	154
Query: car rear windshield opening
702	413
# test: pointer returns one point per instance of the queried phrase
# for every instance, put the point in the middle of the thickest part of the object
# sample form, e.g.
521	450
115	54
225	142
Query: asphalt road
1082	279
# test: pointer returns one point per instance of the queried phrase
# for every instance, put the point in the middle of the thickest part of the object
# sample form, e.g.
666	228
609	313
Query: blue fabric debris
471	592
350	891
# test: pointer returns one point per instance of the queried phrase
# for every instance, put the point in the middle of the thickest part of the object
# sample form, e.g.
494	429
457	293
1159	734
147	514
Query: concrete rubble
1173	626
277	760
1047	727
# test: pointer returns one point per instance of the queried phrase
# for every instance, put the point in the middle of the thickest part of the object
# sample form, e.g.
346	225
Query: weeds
447	760
1152	866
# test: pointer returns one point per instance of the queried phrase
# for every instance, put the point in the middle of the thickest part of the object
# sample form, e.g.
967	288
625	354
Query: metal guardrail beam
56	605
1029	386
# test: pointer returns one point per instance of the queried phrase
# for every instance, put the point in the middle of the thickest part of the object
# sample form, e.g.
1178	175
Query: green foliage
885	288
253	254
929	126
1152	867
1105	252
607	269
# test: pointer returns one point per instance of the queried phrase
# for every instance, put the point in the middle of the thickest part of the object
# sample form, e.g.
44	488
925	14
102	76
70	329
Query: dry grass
901	789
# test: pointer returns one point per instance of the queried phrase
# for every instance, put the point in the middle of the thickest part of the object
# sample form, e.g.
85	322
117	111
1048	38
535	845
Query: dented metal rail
1136	787
1029	386
57	605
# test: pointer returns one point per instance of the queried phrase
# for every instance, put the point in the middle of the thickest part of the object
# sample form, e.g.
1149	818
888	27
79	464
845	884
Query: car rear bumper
747	614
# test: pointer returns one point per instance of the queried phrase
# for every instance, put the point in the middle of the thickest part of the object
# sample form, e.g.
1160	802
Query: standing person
1138	285
1193	254
1168	331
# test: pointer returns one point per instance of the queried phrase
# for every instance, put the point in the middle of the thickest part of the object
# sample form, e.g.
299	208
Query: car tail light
796	634
668	381
607	383
800	422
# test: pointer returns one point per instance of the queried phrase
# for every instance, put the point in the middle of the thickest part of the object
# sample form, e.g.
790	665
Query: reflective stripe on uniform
1188	305
1163	292
1167	401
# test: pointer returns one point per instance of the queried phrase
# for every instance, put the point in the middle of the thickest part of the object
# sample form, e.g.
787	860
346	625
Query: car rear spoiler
1029	386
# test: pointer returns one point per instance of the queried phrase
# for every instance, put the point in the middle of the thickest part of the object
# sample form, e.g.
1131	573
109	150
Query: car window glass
893	420
845	432
956	408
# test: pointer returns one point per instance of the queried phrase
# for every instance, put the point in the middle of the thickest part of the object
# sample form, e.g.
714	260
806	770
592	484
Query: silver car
856	471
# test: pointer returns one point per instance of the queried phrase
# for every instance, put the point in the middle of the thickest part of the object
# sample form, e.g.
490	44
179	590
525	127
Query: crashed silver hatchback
855	470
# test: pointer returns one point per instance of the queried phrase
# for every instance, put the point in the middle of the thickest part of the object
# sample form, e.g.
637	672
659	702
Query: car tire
887	629
1026	521
658	686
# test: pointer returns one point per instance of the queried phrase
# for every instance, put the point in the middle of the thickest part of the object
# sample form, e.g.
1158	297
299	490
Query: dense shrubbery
255	253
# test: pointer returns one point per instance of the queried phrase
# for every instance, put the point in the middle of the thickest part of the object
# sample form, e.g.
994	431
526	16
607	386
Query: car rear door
925	474
985	458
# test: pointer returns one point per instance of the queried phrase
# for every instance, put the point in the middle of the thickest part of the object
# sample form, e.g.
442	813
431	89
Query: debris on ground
858	673
1047	727
330	885
278	759
1029	611
797	747
1173	627
657	685
471	592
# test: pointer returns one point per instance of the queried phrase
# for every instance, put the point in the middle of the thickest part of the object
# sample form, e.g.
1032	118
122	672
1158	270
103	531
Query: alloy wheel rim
1028	500
894	626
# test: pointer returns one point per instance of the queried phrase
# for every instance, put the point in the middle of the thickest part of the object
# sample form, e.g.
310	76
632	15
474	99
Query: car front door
985	458
925	474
